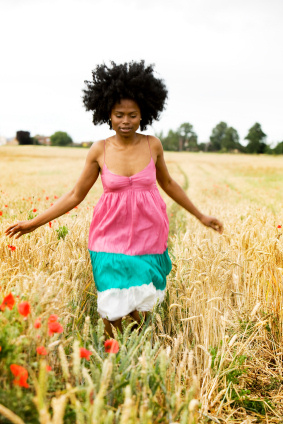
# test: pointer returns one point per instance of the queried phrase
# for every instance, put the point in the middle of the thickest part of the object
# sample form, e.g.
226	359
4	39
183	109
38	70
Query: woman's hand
212	222
20	228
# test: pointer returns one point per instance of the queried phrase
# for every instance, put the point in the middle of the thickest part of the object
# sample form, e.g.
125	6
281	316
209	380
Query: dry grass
221	323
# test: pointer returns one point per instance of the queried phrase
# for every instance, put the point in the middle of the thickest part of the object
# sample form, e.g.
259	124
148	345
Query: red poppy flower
54	327
76	207
84	353
34	210
37	323
8	301
41	350
24	308
48	368
111	346
39	199
47	198
279	226
53	318
55	197
1	213
21	375
12	248
6	206
49	223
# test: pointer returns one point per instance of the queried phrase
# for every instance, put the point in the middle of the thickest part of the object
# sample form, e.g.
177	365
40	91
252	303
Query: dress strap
104	150
149	146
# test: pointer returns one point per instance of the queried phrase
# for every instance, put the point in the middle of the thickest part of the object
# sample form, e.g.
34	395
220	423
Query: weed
62	232
31	215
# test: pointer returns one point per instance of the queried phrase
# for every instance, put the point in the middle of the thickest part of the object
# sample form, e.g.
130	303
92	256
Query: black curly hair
133	81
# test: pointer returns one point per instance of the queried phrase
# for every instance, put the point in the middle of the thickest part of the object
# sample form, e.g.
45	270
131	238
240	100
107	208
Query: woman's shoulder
155	144
98	146
97	150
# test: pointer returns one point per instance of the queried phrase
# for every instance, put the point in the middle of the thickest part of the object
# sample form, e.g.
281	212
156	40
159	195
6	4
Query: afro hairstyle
133	81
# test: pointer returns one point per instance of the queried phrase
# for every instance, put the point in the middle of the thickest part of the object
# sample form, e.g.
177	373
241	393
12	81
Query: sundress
128	243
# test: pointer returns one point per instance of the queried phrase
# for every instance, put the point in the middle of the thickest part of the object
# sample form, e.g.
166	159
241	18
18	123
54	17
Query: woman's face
125	117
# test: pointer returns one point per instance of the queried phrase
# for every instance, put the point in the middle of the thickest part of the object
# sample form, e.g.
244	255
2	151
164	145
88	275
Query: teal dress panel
120	271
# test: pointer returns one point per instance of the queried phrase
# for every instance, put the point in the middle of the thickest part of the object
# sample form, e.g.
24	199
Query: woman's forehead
126	104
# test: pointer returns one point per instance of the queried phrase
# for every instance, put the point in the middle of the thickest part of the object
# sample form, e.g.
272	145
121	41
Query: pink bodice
143	180
130	217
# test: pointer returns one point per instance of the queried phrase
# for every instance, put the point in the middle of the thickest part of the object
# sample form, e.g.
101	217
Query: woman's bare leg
118	323
107	327
136	316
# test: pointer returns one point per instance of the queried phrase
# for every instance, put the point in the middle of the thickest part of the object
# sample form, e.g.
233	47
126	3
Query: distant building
3	140
46	141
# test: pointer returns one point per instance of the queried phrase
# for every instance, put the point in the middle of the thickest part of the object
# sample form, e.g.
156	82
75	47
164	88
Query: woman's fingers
12	231
212	222
19	228
217	226
9	229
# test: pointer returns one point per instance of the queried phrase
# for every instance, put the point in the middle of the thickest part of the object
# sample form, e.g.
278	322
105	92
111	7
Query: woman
129	229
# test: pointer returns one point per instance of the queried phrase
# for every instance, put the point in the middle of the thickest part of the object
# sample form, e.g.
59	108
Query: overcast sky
222	60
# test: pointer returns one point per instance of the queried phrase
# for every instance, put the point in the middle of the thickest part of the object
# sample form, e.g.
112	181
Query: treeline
222	139
59	138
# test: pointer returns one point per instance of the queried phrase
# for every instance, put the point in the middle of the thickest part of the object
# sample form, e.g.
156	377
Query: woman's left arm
175	191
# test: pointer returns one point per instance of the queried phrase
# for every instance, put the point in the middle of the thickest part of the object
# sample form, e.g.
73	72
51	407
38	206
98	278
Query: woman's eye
133	116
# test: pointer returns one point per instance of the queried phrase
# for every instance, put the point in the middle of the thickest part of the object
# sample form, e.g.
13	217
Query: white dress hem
114	304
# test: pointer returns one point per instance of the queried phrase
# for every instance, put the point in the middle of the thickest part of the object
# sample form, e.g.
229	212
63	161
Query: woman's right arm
68	201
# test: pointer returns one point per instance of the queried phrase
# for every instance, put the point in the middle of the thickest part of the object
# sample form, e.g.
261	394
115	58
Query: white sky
222	60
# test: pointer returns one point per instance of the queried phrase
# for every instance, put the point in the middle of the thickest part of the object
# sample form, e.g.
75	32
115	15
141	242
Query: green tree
217	135
230	140
188	139
203	147
171	141
278	150
255	139
60	138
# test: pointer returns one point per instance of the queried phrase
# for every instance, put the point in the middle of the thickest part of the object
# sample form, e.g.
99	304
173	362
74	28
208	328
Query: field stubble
217	335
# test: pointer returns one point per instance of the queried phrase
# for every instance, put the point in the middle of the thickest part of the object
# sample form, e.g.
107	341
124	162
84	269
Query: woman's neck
127	140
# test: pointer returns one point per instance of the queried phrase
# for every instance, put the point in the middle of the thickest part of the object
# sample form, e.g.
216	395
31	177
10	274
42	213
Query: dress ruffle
115	303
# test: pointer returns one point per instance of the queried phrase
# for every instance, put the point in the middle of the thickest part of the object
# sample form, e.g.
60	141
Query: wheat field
212	352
